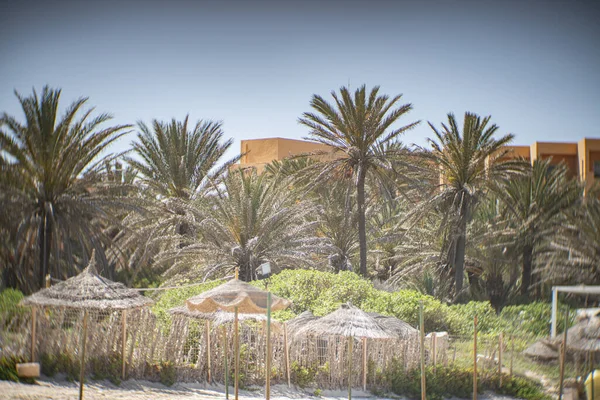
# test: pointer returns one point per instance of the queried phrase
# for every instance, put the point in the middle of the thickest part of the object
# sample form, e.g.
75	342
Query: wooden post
475	358
422	342
208	372
500	339
268	363
33	335
287	355
225	362
48	281
563	356
512	352
237	352
433	350
364	356
350	343
82	363
123	341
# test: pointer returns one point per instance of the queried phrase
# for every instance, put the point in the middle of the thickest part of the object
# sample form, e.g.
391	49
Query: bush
454	381
10	310
52	364
106	367
168	375
320	292
8	368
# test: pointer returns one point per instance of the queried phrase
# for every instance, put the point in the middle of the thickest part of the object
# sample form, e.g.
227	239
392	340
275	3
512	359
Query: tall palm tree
248	220
464	163
359	130
574	256
49	178
534	201
176	161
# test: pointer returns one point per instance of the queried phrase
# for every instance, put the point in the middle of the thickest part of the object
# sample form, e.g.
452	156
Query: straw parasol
235	294
351	322
300	321
241	298
394	326
88	291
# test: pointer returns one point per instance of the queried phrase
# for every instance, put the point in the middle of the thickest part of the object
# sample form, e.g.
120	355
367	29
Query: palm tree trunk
526	273
459	262
362	229
44	244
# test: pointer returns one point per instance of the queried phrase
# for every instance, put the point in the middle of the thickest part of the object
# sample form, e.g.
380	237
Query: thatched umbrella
218	318
394	326
300	321
240	297
351	322
89	291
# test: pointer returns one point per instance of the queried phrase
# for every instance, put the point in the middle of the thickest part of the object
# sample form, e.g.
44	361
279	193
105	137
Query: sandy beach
136	390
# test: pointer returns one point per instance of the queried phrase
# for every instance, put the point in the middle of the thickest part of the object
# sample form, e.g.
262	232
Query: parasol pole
350	340
82	363
475	358
123	341
208	350
237	353
225	356
236	344
364	346
268	369
33	326
287	354
564	356
422	351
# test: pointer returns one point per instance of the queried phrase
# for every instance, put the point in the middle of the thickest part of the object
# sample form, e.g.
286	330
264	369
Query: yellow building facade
582	158
257	153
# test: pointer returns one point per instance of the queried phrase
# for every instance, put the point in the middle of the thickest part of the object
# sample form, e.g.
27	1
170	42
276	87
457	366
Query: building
258	153
582	158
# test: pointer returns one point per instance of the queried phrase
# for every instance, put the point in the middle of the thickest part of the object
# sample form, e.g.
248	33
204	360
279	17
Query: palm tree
50	168
337	223
177	162
464	163
248	220
574	256
359	131
534	202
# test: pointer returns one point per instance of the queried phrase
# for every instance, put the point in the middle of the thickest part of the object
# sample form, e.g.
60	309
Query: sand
136	390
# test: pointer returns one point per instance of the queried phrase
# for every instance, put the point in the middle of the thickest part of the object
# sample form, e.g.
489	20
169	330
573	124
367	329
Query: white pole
554	311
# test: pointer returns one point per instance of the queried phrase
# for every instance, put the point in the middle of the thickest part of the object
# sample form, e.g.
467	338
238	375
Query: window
597	169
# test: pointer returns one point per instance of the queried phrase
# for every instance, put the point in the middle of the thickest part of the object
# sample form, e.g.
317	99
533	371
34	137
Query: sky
534	66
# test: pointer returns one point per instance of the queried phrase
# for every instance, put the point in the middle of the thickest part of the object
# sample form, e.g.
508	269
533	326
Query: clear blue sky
533	65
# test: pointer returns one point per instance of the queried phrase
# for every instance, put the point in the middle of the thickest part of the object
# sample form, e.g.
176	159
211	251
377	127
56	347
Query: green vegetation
454	381
8	370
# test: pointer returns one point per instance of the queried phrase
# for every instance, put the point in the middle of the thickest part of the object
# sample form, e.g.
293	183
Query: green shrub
168	374
454	381
461	316
534	318
319	292
303	376
10	310
52	364
8	369
106	367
